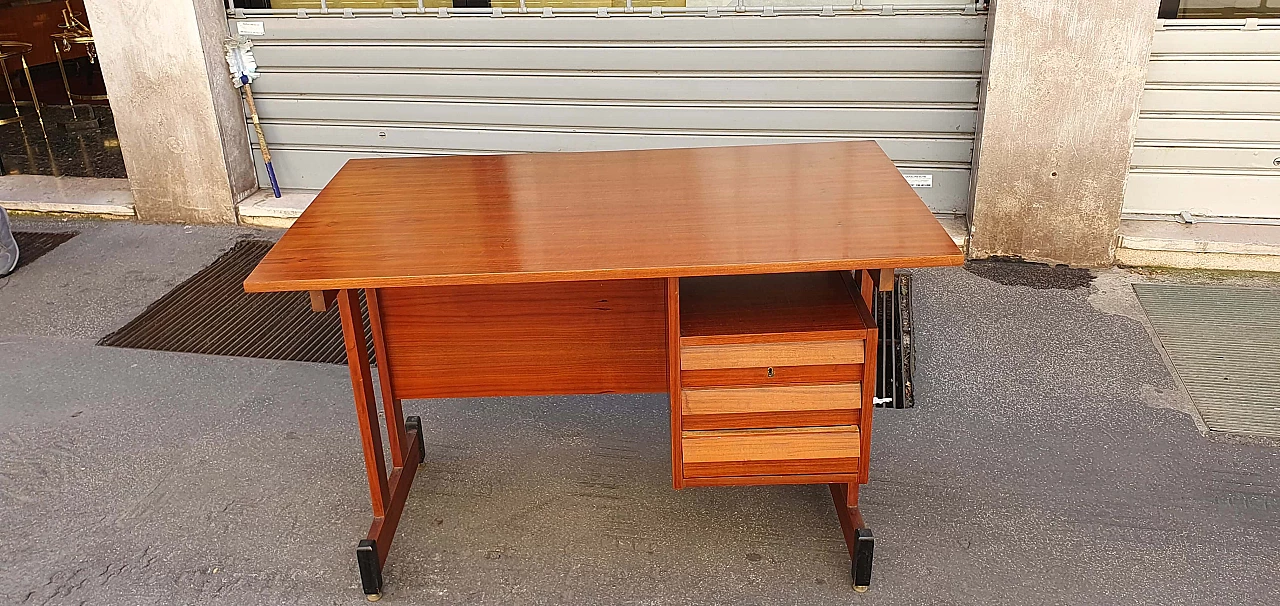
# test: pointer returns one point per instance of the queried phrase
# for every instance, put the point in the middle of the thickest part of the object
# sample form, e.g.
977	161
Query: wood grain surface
366	403
769	307
781	375
868	397
772	399
749	355
606	215
813	450
673	380
775	479
526	339
770	444
391	405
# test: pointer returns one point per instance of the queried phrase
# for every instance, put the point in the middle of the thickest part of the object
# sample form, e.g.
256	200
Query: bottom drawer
771	452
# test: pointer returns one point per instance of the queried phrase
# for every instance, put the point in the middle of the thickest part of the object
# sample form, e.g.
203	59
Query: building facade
1049	131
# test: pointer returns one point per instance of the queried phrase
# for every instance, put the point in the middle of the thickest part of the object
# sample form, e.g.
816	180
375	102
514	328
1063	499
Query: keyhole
770	371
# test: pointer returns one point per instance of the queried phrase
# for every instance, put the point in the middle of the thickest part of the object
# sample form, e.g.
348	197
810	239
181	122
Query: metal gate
391	82
1208	140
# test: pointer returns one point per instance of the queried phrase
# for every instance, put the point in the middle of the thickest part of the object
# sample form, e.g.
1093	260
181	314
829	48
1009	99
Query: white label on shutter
250	28
919	180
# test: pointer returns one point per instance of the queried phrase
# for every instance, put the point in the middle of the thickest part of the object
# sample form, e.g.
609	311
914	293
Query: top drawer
758	355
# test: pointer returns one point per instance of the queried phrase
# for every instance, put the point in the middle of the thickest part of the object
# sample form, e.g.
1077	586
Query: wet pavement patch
211	314
1040	276
34	244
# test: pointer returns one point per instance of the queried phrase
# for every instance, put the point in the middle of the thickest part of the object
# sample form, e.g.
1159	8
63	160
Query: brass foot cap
374	597
860	588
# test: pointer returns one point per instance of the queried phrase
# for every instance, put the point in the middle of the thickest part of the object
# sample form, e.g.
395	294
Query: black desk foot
857	537
863	549
370	569
412	425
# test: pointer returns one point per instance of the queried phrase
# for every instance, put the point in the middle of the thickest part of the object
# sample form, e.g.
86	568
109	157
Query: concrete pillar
1063	84
179	119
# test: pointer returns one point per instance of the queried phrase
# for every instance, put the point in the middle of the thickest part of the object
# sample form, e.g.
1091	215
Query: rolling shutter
1208	140
378	83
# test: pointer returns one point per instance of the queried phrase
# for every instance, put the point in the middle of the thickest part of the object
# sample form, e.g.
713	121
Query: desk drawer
771	452
770	407
759	355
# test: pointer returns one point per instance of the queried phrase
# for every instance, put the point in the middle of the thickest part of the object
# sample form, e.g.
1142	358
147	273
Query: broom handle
257	126
262	139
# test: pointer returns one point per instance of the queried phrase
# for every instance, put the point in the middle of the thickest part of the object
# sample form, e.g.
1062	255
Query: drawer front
772	375
767	407
754	355
754	452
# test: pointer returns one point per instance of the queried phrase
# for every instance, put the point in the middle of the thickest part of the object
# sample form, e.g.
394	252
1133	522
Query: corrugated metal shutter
335	88
1208	138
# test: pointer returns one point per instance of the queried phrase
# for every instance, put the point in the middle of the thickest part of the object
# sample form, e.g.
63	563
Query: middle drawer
763	407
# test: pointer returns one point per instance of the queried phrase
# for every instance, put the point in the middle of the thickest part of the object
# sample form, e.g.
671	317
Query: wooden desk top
606	215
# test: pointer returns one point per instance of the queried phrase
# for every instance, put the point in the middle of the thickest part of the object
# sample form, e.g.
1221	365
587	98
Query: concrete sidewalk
1049	461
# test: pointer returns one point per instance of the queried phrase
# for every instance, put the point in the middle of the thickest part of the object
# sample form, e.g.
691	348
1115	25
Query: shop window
1219	9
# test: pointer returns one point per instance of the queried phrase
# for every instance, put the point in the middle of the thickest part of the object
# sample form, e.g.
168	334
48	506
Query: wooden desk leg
388	493
857	537
673	382
391	408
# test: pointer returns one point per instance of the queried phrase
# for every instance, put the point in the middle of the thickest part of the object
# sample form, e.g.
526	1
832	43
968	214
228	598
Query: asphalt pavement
1051	458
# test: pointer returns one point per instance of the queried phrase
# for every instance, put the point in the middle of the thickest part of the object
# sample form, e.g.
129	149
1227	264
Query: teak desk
736	279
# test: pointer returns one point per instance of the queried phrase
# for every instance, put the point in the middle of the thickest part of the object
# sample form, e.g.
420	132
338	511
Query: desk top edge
255	286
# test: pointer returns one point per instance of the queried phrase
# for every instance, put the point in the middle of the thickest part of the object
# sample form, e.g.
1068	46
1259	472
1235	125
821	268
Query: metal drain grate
1224	344
211	314
894	366
34	244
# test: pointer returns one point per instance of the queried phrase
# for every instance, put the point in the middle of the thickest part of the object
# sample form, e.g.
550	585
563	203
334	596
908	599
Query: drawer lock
770	371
